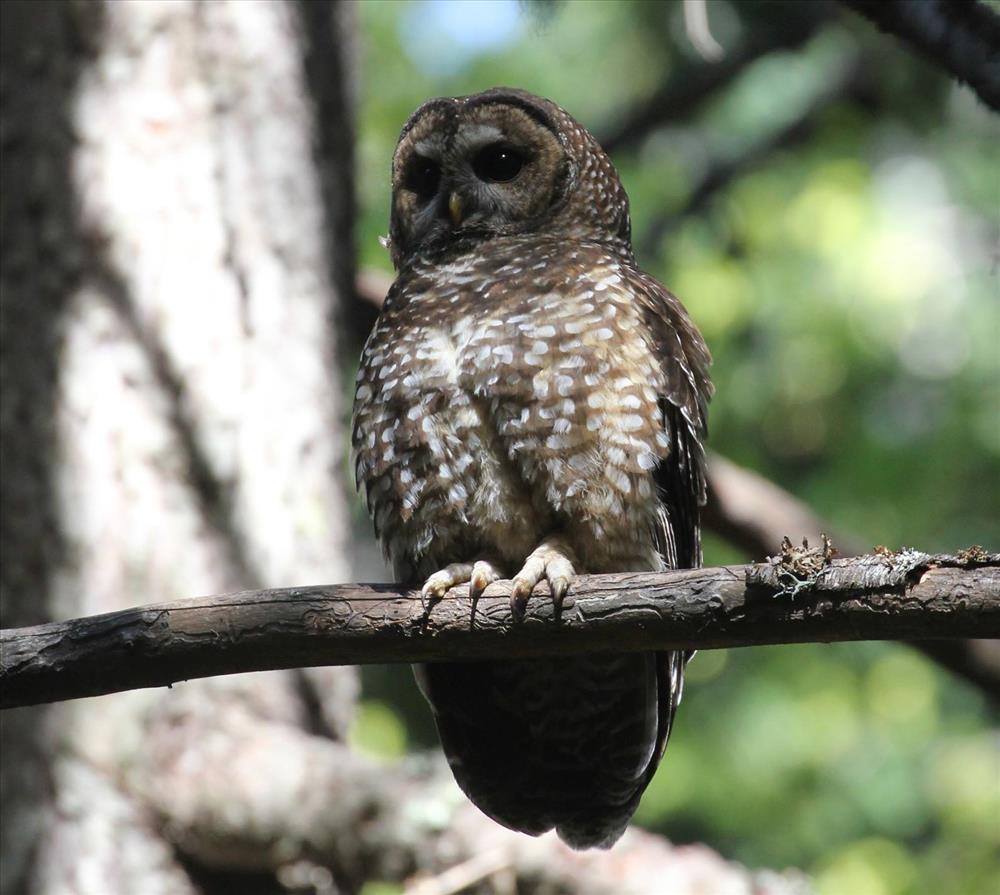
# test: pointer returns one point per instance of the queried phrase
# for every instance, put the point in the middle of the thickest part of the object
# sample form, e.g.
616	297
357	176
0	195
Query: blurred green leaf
377	730
381	888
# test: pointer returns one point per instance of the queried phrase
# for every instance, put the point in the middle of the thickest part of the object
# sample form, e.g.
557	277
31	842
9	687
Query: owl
531	405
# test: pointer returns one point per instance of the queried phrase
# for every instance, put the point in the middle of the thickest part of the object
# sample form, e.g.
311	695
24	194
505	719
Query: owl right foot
478	575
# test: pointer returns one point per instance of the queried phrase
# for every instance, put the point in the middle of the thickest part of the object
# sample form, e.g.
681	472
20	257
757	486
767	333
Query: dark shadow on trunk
44	47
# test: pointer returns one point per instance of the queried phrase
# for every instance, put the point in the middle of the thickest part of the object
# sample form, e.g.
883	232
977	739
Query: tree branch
803	597
328	806
752	513
962	38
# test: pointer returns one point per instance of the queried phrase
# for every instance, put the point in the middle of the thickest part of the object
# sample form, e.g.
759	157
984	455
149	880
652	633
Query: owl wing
680	476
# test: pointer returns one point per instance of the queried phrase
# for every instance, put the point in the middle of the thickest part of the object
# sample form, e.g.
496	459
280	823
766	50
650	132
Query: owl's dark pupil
498	163
423	177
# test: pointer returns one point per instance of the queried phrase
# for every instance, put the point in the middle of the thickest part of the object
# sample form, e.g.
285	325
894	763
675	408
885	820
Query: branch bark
753	514
802	597
961	38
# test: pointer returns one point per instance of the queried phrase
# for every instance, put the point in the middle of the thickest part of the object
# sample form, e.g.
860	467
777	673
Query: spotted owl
530	404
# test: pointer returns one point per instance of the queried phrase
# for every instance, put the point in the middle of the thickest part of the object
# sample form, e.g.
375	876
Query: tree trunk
172	411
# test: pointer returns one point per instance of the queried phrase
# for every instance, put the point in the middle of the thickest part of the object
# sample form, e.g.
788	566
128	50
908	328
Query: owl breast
505	398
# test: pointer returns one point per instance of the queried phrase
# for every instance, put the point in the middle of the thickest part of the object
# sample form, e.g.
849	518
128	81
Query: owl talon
553	561
559	588
478	576
519	598
438	584
484	573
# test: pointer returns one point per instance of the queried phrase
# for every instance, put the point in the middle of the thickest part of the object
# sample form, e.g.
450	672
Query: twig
877	597
699	32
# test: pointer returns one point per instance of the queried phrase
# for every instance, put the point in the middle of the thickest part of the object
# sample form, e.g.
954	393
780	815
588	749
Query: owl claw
519	598
552	560
438	584
478	576
484	573
559	588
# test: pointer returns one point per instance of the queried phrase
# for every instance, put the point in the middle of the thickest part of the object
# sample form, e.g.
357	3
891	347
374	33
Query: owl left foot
552	560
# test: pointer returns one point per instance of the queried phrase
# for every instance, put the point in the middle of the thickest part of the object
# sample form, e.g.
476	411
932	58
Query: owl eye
498	163
423	176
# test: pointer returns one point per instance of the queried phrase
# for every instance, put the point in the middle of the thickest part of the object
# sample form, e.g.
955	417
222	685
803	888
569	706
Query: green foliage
381	888
377	730
848	288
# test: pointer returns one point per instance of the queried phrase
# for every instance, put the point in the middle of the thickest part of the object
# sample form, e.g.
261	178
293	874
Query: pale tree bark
175	419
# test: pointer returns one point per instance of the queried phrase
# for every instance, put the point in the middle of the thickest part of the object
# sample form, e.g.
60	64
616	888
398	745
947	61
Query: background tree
169	426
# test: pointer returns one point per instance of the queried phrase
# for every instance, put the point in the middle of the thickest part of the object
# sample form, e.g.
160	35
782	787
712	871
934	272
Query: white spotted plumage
456	354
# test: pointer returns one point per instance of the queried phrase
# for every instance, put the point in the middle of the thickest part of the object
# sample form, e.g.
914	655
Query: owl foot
478	575
552	560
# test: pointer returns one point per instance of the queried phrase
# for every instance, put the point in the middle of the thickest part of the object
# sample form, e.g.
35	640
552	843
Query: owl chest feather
493	410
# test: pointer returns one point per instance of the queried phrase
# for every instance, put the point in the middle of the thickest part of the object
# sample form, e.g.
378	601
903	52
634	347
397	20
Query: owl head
469	169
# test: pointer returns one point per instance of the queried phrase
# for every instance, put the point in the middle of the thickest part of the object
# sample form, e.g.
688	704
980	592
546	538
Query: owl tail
568	743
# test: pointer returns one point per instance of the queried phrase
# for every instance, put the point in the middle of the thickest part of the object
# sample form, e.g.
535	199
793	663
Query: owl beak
455	208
